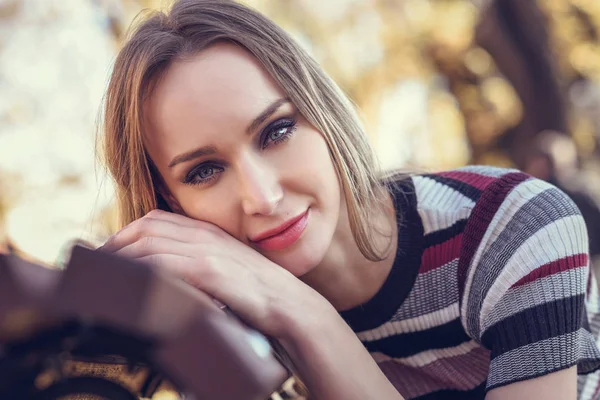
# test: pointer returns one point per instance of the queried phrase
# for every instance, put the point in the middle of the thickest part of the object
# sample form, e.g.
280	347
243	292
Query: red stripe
554	267
486	207
440	254
476	180
463	372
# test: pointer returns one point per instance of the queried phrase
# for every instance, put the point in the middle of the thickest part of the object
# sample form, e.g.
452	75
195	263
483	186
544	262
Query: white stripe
485	170
416	324
427	357
439	205
546	245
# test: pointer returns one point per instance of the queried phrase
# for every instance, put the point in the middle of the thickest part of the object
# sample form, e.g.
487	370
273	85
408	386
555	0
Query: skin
247	180
222	91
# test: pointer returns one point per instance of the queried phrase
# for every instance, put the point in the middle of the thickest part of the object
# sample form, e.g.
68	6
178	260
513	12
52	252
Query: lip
284	235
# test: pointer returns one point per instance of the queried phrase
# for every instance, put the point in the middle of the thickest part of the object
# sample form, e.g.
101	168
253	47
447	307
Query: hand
331	360
260	292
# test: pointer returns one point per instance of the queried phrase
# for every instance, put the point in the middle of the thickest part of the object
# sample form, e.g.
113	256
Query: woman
242	168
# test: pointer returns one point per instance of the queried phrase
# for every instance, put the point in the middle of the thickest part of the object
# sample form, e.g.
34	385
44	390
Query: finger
183	220
172	217
149	245
194	272
144	227
169	263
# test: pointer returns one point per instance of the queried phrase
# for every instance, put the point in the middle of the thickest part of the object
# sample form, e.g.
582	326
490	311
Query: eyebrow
207	150
197	153
263	116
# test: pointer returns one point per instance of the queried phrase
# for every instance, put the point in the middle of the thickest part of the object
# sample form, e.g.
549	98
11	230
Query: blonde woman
243	169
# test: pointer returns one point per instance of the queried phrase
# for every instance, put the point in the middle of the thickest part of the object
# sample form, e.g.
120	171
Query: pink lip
284	235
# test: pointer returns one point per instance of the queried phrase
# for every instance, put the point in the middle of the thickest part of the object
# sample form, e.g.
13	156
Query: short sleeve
523	275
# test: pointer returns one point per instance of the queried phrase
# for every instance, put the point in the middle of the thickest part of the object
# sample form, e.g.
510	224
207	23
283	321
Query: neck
345	277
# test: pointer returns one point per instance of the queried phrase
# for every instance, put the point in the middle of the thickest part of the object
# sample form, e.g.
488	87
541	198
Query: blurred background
440	84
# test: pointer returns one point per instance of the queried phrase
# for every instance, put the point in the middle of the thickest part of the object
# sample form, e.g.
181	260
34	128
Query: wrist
316	335
311	321
332	362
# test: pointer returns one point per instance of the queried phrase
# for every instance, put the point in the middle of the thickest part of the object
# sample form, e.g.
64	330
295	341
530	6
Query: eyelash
289	123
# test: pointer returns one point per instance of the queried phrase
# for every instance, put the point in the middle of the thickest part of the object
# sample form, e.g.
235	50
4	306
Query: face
233	151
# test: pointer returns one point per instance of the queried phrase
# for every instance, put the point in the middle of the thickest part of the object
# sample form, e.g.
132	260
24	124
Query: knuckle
147	242
153	259
157	261
208	275
144	226
154	214
210	270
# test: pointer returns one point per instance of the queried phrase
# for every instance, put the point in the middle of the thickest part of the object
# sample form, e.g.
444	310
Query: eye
278	132
203	174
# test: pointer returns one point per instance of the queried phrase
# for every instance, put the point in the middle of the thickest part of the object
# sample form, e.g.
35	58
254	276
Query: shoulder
518	228
522	274
503	215
489	194
519	216
446	197
458	188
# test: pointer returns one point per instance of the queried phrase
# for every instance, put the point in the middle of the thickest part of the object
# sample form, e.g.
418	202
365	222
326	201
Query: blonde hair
186	29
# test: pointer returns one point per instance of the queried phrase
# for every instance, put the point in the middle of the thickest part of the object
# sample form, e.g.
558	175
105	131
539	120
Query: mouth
284	235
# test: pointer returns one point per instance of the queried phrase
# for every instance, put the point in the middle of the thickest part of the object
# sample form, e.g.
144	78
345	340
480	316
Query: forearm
334	364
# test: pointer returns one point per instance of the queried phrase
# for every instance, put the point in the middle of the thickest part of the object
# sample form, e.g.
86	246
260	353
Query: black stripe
477	393
461	187
534	324
443	235
450	334
382	307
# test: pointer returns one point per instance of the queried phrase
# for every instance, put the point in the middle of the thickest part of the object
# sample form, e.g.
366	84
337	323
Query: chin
304	257
297	263
299	269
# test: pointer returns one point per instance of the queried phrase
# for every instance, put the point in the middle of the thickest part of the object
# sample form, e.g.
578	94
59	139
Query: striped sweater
490	286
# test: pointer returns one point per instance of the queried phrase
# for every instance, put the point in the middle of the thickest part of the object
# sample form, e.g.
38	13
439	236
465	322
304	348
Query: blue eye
278	132
203	174
276	135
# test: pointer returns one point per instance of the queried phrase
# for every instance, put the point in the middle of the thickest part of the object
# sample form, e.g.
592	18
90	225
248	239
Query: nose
260	189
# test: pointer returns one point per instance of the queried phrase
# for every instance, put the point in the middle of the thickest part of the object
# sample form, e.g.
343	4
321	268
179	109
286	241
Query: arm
331	360
561	385
525	277
334	364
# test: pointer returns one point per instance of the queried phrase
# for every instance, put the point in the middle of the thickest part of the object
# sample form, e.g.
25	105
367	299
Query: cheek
308	162
304	169
216	205
319	169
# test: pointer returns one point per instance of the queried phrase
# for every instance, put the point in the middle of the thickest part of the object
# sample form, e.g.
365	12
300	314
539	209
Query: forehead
223	87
